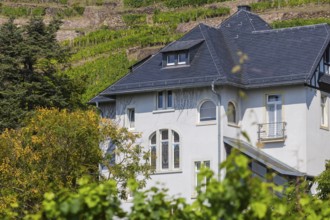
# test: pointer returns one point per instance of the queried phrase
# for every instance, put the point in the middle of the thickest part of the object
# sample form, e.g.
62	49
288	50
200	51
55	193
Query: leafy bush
188	15
299	22
182	3
267	4
134	19
139	3
238	196
79	9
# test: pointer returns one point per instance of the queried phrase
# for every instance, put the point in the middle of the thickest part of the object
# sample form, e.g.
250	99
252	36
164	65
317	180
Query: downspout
219	125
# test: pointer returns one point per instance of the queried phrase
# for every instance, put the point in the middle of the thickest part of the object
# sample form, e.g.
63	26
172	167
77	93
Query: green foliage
238	196
188	15
135	19
269	4
21	11
98	74
54	150
299	22
51	152
142	36
30	58
79	9
323	182
182	3
92	201
139	3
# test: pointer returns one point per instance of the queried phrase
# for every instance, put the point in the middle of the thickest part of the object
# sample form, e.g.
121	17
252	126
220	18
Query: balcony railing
272	131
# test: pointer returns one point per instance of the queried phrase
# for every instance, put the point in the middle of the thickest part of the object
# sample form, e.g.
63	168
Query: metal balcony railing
272	131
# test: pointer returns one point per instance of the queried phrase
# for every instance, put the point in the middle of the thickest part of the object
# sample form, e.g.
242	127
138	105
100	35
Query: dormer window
180	53
182	58
171	60
179	58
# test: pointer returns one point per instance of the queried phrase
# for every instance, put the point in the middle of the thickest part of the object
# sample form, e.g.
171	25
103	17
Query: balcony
272	132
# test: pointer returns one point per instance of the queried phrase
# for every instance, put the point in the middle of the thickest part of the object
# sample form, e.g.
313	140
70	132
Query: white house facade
192	100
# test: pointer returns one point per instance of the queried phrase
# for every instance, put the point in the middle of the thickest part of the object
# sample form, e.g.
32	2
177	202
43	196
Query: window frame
158	146
211	119
234	112
167	97
176	56
196	171
276	103
131	123
324	111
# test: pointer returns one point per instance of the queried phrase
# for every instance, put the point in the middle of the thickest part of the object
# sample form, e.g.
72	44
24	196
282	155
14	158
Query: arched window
207	111
165	150
231	113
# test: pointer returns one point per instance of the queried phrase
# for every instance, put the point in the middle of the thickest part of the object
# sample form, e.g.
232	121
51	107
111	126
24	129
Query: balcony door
274	112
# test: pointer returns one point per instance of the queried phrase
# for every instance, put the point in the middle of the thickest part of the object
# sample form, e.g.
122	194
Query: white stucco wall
199	142
292	151
318	138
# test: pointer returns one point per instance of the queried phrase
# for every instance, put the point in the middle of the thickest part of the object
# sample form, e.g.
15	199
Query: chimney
244	7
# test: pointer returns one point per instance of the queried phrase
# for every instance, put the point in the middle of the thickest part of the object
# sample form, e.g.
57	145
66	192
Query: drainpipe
218	123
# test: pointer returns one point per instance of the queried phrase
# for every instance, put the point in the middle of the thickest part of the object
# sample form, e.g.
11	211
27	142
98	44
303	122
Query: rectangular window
165	150
165	100
324	111
274	113
131	117
160	100
198	165
182	58
169	99
171	59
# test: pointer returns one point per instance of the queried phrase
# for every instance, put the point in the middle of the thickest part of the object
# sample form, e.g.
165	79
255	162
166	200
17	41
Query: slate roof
262	157
275	57
181	45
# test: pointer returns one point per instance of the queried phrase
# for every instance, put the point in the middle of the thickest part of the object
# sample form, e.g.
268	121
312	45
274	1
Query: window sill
176	66
233	125
160	172
272	140
324	127
163	111
206	123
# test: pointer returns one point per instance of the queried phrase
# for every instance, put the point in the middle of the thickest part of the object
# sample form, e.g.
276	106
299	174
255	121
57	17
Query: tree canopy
30	60
54	150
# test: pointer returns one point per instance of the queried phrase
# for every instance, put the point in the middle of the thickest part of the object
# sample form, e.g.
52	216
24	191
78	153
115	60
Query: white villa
192	99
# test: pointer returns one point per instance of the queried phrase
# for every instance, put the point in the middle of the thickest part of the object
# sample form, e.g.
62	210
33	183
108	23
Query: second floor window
231	113
178	58
165	100
131	117
207	111
274	113
324	111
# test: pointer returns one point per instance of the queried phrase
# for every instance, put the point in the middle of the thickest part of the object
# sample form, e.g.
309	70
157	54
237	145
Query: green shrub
267	4
182	3
188	15
299	22
79	9
134	19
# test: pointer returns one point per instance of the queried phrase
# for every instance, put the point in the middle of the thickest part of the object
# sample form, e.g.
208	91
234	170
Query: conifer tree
30	62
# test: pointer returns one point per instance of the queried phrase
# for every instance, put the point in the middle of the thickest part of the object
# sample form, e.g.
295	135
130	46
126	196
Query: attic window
174	59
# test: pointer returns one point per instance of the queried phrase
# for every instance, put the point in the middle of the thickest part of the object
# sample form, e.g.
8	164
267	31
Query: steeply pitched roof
181	45
275	57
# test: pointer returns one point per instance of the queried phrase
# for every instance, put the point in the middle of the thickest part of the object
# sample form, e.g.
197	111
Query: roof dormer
179	53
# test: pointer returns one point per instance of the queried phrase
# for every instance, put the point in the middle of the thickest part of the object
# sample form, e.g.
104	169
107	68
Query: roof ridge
208	48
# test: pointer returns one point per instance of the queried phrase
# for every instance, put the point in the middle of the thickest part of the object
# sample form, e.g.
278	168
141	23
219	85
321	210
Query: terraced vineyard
108	36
